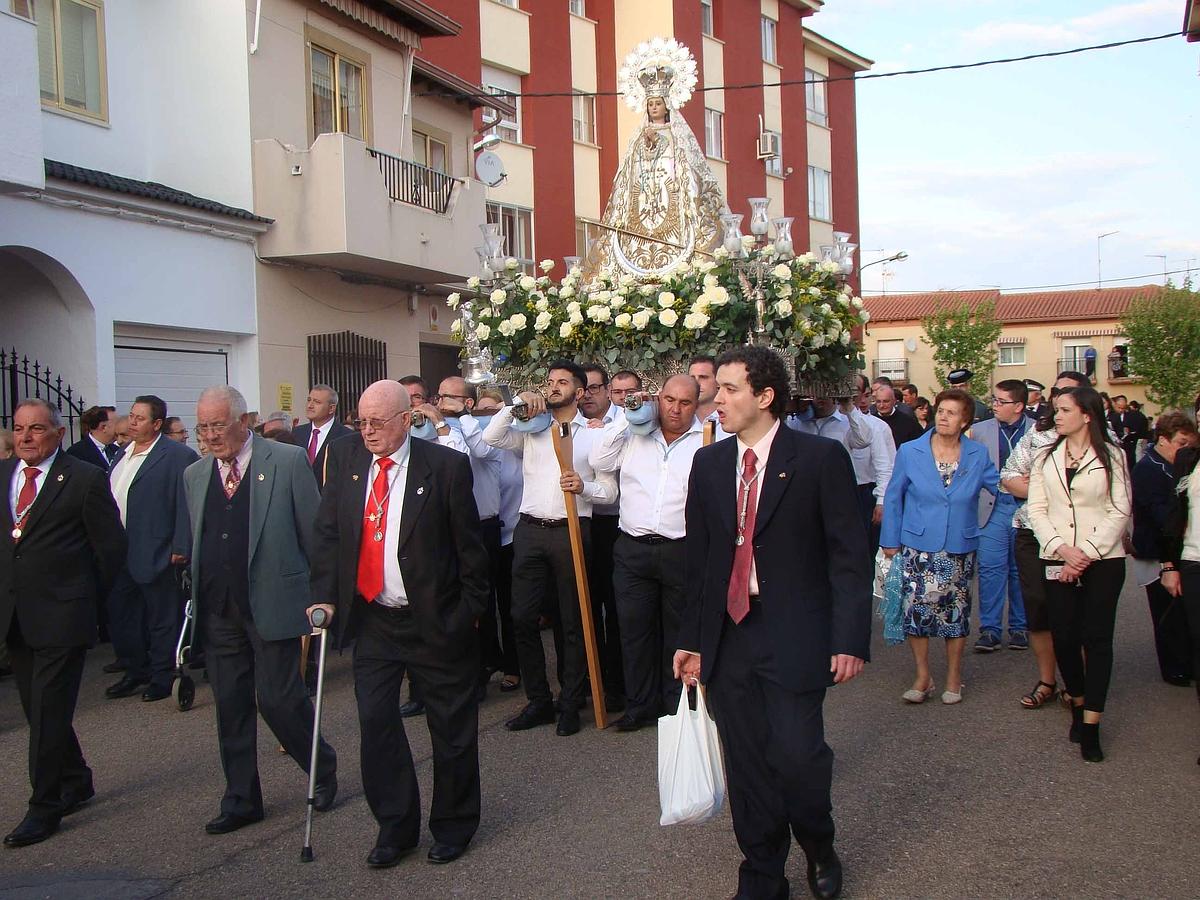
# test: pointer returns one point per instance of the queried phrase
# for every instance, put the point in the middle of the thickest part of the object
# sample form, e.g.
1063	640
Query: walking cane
564	449
319	620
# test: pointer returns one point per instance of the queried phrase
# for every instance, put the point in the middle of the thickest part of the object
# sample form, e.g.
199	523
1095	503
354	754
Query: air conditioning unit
768	142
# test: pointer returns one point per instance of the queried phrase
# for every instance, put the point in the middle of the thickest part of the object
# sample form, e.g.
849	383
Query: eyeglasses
212	427
996	401
374	424
594	388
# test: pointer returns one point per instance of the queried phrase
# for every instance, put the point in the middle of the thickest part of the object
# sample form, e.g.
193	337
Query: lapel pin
60	478
420	490
354	478
783	474
262	477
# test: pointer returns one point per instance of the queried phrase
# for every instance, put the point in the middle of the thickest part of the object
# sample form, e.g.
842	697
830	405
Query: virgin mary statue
665	207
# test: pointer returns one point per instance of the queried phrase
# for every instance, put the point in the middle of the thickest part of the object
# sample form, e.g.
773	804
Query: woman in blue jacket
931	519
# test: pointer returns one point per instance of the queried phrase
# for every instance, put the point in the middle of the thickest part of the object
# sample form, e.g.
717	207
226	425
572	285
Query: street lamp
1163	257
896	257
1099	238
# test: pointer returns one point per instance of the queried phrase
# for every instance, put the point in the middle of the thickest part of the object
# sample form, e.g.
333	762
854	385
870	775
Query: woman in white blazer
1079	508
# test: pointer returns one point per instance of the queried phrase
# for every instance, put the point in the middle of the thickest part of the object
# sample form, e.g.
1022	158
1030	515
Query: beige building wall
636	21
504	36
1044	348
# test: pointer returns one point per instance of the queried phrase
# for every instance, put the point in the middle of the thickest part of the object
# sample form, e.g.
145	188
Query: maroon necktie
312	445
232	480
370	548
28	494
737	601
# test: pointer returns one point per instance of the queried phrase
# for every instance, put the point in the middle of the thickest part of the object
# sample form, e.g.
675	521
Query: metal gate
21	379
347	362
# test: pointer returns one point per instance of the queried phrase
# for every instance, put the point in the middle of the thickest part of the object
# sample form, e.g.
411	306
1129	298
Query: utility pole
1099	238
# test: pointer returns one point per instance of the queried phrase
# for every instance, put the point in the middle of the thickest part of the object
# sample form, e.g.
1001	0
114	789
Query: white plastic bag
691	773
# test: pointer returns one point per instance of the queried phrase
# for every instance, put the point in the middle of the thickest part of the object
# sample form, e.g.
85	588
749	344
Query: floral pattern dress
937	586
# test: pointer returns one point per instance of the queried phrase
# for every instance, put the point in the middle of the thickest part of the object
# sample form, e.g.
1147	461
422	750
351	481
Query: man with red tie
62	546
404	567
321	428
778	609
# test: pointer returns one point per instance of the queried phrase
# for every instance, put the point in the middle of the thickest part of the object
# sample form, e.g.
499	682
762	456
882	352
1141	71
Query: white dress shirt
853	431
874	463
614	414
18	481
99	446
542	497
485	463
512	486
393	593
761	451
122	474
653	476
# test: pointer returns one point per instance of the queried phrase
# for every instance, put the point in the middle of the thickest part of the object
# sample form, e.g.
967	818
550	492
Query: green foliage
1164	345
963	337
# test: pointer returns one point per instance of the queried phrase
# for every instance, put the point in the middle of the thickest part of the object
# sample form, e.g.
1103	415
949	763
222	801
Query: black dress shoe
126	687
113	667
630	722
325	793
75	800
825	873
155	692
412	708
533	715
568	723
197	662
444	853
1178	680
227	822
614	702
32	830
384	857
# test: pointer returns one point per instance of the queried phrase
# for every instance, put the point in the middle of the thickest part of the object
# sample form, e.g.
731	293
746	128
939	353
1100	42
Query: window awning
1010	340
1090	332
461	89
404	21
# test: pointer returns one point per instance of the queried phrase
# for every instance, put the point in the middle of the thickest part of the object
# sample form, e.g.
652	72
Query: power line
483	95
1036	287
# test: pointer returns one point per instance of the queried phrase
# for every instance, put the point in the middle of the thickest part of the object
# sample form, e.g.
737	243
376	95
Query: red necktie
370	548
232	480
737	601
28	494
312	445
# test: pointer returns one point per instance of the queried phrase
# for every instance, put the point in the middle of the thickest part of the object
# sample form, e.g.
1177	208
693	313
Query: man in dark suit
1129	425
904	426
252	507
1036	407
145	607
778	609
321	428
98	445
405	568
61	547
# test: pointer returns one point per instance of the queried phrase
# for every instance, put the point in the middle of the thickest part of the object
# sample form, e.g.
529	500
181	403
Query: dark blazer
157	515
302	435
1153	495
905	426
283	507
72	549
1175	528
85	449
442	555
810	555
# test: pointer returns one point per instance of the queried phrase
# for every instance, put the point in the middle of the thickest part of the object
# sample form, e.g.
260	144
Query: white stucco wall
21	134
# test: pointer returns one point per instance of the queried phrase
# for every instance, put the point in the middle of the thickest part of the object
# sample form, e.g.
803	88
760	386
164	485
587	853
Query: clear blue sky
1004	176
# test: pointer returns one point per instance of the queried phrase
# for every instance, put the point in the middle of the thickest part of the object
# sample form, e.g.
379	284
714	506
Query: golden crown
656	81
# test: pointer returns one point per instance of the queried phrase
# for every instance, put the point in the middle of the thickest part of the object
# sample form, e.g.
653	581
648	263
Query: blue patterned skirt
937	593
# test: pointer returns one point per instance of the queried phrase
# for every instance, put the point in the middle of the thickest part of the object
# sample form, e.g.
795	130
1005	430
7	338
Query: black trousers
144	623
778	767
48	682
1082	619
541	556
866	504
1172	640
508	641
251	676
491	652
605	615
1189	573
648	580
388	644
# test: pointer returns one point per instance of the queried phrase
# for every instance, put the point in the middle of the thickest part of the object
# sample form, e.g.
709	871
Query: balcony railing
410	182
895	369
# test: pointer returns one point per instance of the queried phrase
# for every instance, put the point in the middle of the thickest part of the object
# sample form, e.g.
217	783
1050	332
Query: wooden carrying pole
710	432
564	450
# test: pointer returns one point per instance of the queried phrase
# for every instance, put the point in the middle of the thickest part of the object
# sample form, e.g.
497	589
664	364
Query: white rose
567	291
829	267
666	299
785	291
452	300
473	282
832	334
641	319
542	305
845	338
527	282
602	296
843	300
857	303
616	302
865	316
565	329
784	307
701	304
668	317
817	341
511	264
519	322
483	331
695	321
575	318
826	309
626	280
720	253
782	272
718	296
646	290
542	322
546	265
505	328
498	296
599	313
705	266
456	326
573	307
710	282
804	259
486	312
814	291
748	241
624	320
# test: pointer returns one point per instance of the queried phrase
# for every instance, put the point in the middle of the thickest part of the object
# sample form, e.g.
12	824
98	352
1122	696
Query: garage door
177	376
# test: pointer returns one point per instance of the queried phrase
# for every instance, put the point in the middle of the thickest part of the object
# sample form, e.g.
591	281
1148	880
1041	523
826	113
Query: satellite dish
910	344
489	168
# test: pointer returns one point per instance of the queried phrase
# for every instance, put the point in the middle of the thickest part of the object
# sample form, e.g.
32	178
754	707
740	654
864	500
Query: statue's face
656	109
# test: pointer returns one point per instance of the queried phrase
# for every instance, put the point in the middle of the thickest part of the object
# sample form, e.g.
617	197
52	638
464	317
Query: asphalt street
983	799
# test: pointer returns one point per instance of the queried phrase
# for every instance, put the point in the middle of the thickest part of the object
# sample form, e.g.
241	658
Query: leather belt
651	539
542	523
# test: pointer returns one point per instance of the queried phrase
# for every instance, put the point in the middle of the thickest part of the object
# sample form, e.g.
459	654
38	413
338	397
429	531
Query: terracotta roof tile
1045	306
